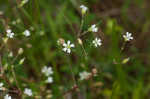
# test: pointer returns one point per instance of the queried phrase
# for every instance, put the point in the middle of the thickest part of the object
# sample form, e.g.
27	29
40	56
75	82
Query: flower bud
5	40
60	41
20	51
21	61
125	60
80	41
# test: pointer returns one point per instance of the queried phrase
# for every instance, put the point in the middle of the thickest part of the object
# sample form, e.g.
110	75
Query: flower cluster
47	71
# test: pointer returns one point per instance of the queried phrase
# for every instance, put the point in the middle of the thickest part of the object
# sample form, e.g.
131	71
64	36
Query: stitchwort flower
83	9
97	42
28	91
84	75
26	33
67	47
93	28
128	36
1	86
7	96
47	70
10	34
49	80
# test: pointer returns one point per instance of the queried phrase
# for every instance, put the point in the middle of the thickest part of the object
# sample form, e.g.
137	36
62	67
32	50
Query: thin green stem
13	72
82	22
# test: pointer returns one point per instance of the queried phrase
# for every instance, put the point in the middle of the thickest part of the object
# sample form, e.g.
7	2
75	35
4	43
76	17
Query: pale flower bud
83	9
125	60
5	40
20	51
60	41
10	54
21	61
80	41
94	71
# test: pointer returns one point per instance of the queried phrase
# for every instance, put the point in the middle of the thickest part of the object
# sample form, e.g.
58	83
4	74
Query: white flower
67	47
47	70
49	80
84	75
7	96
10	34
1	86
128	36
93	28
97	42
26	33
83	9
28	92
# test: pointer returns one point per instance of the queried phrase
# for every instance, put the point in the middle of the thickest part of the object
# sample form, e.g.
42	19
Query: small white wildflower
1	86
128	36
84	75
93	28
7	96
10	34
26	33
47	70
67	47
28	92
97	42
83	9
49	80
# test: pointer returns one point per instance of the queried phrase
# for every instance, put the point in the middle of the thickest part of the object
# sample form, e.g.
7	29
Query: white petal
68	51
68	42
64	49
72	45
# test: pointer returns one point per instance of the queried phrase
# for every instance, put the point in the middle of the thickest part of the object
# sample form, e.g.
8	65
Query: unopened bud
80	41
125	60
94	71
20	51
21	61
5	40
60	41
10	54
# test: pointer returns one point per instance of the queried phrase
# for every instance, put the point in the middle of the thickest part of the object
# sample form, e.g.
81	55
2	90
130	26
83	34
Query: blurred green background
50	20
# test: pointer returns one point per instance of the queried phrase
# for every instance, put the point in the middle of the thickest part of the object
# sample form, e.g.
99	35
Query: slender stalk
84	33
73	75
13	72
123	46
84	51
68	21
82	21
